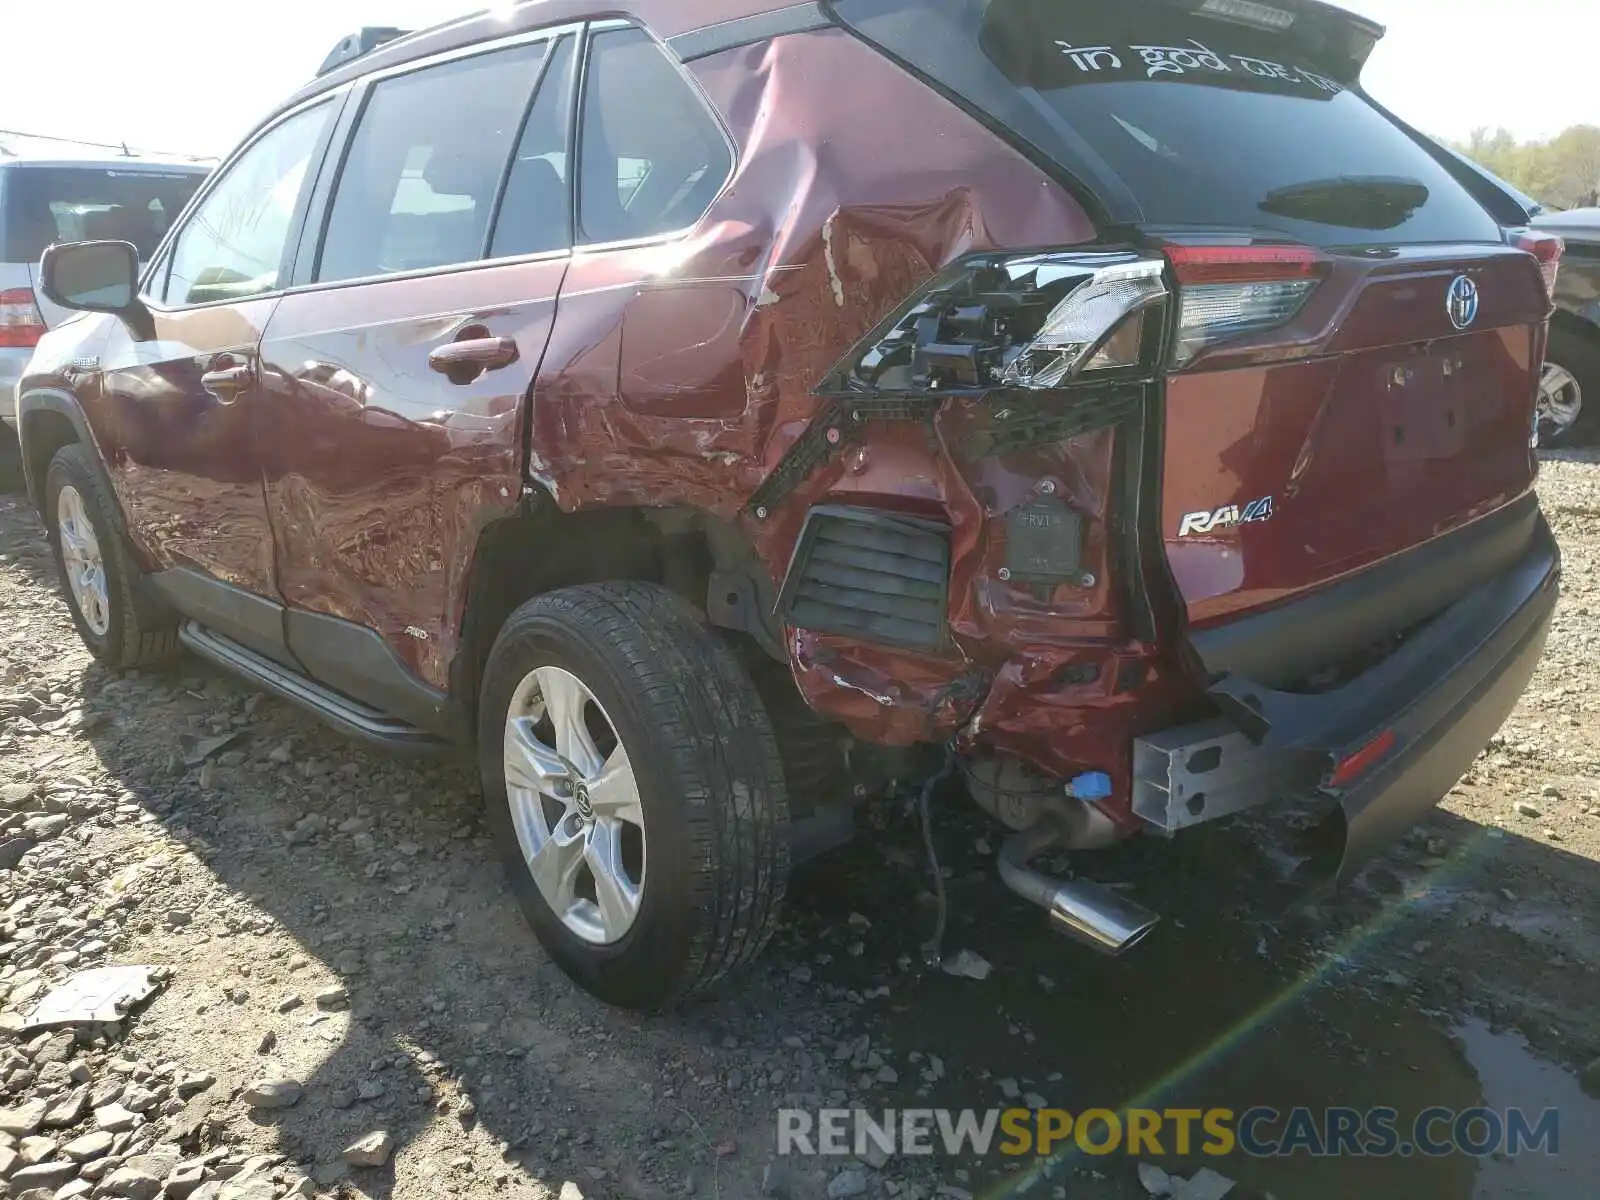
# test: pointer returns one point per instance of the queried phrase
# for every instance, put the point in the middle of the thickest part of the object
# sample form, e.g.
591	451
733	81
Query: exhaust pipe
1084	911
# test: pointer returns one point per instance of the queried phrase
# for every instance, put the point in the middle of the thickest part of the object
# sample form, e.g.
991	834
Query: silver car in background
60	199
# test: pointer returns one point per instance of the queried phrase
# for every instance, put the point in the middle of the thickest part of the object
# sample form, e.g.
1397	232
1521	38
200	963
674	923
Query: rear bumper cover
1434	703
1495	637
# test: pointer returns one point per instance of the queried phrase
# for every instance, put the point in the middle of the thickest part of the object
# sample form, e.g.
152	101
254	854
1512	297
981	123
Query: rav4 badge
1226	517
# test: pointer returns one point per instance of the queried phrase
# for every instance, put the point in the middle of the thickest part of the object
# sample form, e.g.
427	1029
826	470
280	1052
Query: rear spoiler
1338	40
357	44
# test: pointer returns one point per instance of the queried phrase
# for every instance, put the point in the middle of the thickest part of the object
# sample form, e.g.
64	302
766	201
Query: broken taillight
1547	250
1034	321
1227	292
1097	325
1045	320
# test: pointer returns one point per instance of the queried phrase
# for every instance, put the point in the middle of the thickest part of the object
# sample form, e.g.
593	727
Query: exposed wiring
933	950
1046	788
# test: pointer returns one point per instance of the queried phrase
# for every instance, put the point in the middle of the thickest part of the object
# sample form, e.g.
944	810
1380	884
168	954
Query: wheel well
1576	327
542	549
44	431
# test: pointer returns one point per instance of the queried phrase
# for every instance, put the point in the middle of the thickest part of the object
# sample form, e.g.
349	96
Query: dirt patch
345	961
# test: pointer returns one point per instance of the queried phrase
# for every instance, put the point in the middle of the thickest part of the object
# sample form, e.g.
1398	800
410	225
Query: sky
193	76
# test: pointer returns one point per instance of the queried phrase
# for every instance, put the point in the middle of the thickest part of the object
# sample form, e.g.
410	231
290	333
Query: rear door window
46	205
418	186
1181	118
652	157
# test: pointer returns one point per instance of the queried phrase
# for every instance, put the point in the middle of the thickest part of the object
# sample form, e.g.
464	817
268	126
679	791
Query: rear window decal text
1180	60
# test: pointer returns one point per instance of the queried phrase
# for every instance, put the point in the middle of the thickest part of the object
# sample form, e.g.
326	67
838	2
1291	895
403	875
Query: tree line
1563	172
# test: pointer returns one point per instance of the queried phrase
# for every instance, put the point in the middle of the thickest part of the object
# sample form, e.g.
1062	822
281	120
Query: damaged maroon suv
713	411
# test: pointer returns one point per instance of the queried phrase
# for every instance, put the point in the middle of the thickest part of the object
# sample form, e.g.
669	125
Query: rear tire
125	627
1578	357
657	691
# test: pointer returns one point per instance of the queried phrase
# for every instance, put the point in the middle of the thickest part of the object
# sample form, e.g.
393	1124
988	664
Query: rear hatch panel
1370	421
1387	428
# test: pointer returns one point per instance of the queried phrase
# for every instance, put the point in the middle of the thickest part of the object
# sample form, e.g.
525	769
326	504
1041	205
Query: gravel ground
350	1005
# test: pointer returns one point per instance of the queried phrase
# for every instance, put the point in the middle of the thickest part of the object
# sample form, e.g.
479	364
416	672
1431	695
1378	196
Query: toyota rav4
707	411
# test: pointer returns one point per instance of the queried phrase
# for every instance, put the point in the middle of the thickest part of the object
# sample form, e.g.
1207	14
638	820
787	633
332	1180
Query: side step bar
349	716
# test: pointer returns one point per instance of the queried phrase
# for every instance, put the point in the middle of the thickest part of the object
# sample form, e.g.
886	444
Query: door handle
472	356
226	383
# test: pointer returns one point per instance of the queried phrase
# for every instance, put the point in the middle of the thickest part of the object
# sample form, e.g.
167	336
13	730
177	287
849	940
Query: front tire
634	787
120	624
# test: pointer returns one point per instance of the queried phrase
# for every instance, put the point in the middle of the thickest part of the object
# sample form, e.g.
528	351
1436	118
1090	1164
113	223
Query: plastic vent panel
869	575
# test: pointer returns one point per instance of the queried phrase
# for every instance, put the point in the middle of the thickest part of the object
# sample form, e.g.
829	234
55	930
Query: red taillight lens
1227	292
1547	250
1245	264
20	322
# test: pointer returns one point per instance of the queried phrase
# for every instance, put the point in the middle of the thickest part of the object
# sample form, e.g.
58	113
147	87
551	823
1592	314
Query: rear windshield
43	205
1175	117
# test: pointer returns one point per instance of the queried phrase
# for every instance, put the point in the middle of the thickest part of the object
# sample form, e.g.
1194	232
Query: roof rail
357	44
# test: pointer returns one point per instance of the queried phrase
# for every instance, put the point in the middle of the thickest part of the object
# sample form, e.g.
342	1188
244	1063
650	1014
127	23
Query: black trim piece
348	716
1445	728
836	425
63	404
1143	574
1426	670
1044	542
1019	419
551	46
335	159
872	575
746	31
731	603
1284	645
336	128
356	661
244	617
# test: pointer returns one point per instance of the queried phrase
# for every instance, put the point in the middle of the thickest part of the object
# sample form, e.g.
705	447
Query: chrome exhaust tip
1099	918
1087	912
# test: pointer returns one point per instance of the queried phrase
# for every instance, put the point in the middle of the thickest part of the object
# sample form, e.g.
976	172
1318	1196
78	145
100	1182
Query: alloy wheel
1560	401
84	564
575	805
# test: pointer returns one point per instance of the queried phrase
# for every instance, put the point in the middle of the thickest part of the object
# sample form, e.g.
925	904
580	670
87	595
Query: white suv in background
57	199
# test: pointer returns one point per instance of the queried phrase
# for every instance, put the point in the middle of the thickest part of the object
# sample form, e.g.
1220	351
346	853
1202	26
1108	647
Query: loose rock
130	1183
47	1175
273	1093
89	1146
371	1150
23	1119
114	1118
